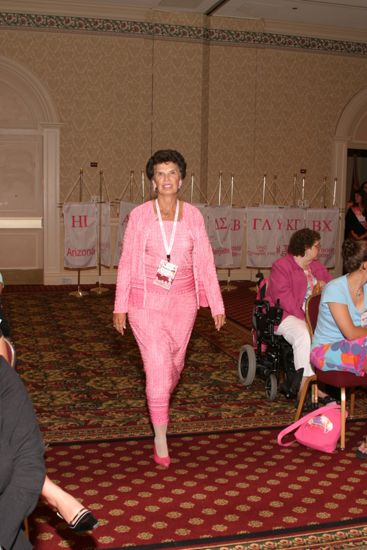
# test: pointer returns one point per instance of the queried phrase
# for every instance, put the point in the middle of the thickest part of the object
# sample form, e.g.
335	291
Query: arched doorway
29	162
351	132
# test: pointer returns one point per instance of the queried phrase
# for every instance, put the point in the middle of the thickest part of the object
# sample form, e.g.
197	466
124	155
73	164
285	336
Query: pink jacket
288	283
131	269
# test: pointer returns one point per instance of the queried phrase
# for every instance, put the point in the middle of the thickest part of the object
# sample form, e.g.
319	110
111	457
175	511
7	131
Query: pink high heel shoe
161	460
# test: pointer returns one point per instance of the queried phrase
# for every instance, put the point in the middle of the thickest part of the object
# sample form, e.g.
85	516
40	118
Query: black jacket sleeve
22	467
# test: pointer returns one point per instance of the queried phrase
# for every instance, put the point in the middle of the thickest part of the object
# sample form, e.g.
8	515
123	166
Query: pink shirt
132	270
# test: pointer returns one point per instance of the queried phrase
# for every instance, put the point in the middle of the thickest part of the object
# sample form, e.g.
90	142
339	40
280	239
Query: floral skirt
344	355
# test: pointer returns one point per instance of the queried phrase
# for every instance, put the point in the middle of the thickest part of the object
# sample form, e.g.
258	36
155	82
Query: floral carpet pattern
87	382
230	486
238	489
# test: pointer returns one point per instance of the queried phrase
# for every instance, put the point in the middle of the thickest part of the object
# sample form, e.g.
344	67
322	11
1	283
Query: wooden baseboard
22	276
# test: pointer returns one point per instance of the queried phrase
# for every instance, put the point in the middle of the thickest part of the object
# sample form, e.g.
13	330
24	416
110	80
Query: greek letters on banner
237	234
225	230
81	223
270	228
124	212
326	223
105	234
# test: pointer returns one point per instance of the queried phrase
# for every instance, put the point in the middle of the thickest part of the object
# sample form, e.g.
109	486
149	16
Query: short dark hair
301	240
166	155
354	253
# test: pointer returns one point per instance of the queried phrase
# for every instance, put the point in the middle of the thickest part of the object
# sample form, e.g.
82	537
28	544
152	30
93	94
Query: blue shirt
336	291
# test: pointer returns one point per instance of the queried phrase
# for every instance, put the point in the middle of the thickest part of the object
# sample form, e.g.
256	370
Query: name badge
166	272
364	319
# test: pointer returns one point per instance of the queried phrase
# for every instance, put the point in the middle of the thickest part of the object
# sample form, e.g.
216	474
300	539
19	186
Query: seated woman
292	279
355	219
67	507
340	339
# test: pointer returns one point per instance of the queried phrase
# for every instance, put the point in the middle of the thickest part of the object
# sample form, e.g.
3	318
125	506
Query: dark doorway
356	170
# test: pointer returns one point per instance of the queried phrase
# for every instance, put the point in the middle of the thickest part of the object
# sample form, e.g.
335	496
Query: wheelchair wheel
247	365
271	387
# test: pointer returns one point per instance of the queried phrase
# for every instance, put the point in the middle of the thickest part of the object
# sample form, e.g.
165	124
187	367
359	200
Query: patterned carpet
86	381
230	486
239	301
223	490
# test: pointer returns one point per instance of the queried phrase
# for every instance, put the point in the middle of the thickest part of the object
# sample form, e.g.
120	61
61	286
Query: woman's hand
119	322
219	321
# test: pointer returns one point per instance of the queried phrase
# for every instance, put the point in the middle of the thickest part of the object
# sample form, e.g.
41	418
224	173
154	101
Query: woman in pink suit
293	278
166	272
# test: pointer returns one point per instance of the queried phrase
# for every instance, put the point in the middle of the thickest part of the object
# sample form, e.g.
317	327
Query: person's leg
295	331
64	503
162	340
343	355
148	329
68	507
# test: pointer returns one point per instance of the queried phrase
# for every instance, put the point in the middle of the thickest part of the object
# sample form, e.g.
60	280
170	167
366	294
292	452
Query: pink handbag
319	429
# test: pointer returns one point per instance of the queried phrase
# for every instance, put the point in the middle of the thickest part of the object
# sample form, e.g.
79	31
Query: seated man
78	518
22	467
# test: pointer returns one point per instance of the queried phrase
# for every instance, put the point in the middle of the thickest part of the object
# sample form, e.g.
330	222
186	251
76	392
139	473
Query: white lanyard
167	247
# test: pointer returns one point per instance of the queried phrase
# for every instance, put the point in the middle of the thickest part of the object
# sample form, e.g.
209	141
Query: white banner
225	230
105	234
124	212
269	229
326	222
80	244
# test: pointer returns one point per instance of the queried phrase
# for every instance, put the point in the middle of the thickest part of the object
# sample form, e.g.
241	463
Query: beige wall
243	110
230	108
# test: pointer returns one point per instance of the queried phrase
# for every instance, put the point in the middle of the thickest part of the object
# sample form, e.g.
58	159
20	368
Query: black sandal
362	454
83	521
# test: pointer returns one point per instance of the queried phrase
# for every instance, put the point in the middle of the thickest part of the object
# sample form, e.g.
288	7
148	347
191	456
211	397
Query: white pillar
51	210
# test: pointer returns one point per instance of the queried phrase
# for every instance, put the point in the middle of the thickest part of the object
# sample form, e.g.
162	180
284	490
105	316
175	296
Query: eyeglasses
170	174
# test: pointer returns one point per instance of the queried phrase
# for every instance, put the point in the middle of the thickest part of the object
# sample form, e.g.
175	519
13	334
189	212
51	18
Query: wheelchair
271	356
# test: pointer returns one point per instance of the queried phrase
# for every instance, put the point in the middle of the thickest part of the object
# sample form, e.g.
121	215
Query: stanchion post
100	289
229	286
79	293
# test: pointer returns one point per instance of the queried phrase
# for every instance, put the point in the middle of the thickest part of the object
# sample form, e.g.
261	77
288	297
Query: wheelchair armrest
263	304
276	314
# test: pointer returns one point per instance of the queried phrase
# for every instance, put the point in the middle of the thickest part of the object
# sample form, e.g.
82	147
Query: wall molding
144	29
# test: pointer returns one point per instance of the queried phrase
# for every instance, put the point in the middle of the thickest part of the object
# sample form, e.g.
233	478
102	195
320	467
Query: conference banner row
265	230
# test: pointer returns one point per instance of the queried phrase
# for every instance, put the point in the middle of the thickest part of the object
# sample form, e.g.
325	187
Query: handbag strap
304	420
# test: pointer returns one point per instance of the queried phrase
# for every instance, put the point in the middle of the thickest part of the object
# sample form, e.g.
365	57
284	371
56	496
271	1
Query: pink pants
162	337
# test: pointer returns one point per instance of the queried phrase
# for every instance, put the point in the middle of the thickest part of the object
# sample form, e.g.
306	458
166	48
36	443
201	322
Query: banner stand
100	289
228	286
78	293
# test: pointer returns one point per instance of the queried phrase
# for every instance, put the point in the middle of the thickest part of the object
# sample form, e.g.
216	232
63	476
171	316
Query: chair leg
352	401
342	417
303	394
26	527
314	394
